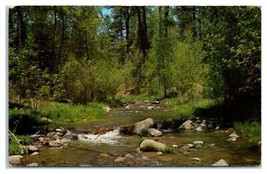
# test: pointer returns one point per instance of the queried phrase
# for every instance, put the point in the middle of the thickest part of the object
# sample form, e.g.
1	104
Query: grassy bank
187	108
25	121
253	130
71	113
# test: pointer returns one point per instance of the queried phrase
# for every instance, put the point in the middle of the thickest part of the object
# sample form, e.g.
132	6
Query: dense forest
84	54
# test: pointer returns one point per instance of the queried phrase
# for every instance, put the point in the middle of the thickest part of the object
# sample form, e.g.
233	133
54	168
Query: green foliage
24	140
232	49
188	69
13	149
61	112
250	129
77	81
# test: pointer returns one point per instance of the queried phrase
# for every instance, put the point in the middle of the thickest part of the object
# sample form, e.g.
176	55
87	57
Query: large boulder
150	132
151	145
147	123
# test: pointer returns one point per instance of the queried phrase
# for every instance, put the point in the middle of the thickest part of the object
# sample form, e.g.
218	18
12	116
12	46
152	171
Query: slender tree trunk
62	36
127	28
22	27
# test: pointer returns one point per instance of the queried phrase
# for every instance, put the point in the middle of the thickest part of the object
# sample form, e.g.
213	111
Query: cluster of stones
53	139
146	128
197	124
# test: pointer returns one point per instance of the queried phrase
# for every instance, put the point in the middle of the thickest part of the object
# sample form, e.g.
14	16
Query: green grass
252	130
187	108
62	112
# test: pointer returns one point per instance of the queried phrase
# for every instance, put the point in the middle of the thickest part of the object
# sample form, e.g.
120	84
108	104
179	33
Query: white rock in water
199	129
175	145
150	107
159	153
198	142
32	148
197	159
35	153
127	107
233	135
221	163
151	132
232	139
14	159
187	146
33	165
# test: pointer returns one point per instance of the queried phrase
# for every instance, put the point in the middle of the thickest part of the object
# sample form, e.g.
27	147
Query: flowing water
113	149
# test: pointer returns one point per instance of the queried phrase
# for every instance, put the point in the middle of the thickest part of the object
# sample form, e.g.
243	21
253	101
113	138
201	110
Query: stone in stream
55	143
175	145
33	165
120	159
151	145
14	159
197	159
233	135
150	132
104	155
187	146
199	129
32	148
198	142
155	102
35	153
187	125
221	163
136	127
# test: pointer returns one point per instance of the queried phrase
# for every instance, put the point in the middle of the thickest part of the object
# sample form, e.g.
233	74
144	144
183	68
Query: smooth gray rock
221	163
147	123
151	145
150	132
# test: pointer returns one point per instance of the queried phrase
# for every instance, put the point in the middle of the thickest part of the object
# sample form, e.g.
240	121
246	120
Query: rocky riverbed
140	138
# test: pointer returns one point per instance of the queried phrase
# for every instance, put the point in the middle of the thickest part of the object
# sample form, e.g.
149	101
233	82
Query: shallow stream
114	150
